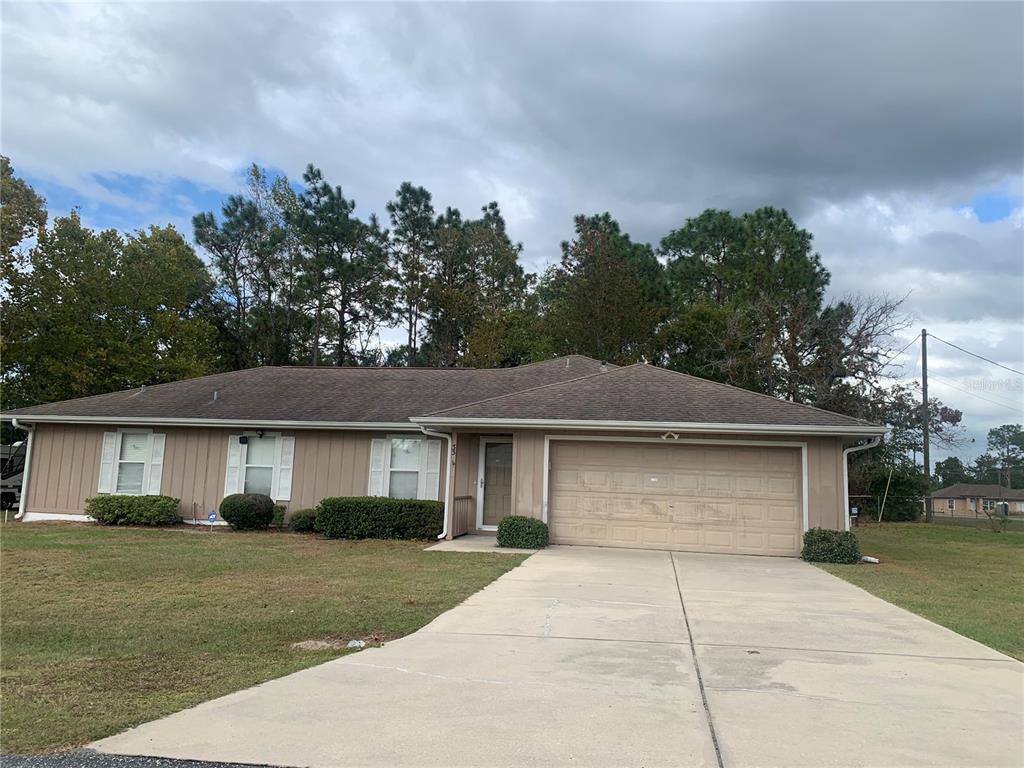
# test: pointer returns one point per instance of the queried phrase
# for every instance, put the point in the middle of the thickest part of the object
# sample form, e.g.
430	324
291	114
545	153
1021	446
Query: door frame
482	453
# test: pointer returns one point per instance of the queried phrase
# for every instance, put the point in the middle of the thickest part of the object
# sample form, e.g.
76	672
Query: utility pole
924	426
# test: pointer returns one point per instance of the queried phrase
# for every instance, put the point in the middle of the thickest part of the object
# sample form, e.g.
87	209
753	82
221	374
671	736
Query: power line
980	357
948	383
893	357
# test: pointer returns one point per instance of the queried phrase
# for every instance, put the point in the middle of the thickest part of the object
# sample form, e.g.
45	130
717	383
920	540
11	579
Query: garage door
701	498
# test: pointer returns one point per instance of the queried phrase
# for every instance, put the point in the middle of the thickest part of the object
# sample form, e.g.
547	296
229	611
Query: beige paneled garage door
702	498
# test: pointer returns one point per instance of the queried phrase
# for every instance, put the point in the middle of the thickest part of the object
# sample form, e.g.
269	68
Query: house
635	456
975	499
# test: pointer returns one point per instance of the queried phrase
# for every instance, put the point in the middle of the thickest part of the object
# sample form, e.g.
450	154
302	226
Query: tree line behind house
292	274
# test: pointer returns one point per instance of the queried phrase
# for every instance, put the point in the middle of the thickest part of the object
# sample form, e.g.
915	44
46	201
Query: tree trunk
316	334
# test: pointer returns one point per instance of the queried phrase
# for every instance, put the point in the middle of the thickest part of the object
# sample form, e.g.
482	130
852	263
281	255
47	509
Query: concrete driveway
604	657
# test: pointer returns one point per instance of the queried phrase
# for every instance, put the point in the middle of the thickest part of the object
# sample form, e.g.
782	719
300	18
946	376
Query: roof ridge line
522	391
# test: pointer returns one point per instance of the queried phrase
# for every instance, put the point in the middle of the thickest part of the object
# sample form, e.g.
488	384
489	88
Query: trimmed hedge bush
133	510
822	545
302	520
377	517
522	532
278	519
247	511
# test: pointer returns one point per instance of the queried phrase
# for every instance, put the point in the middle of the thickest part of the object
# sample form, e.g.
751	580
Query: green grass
967	579
1010	523
106	628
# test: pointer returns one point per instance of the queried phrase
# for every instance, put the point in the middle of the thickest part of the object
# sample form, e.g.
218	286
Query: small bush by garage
520	532
822	545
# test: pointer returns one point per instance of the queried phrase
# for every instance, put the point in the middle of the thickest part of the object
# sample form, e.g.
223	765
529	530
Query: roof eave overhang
198	422
866	430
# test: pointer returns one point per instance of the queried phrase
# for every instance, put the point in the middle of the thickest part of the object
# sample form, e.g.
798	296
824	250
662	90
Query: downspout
846	471
30	428
449	471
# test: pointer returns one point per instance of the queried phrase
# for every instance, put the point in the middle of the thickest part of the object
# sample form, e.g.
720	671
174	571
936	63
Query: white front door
494	482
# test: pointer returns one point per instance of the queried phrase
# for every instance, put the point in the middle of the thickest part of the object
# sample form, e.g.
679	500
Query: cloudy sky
893	132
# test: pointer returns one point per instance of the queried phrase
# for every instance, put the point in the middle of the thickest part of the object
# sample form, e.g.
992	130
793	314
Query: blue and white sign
212	517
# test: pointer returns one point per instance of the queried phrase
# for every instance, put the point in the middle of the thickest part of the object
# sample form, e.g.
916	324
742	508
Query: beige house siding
66	458
66	461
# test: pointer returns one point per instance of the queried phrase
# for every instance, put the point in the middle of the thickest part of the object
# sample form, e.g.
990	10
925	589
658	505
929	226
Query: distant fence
868	508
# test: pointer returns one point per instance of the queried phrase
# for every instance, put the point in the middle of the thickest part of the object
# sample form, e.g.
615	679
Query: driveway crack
696	667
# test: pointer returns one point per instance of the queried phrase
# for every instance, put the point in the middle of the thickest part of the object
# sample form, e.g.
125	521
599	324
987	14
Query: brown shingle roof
979	491
388	395
646	393
574	388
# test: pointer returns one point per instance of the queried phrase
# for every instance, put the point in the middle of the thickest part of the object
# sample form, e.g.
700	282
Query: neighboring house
975	499
637	456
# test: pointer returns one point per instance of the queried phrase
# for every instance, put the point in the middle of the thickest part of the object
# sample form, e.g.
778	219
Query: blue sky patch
994	206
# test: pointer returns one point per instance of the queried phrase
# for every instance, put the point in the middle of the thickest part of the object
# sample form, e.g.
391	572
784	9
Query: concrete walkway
586	657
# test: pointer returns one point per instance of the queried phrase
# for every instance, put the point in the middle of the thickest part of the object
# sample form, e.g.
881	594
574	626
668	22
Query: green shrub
522	532
377	517
302	520
247	511
822	545
133	510
278	520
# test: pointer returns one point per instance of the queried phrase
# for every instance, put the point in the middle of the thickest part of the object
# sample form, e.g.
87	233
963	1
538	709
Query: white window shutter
108	459
233	473
430	470
283	468
378	452
156	463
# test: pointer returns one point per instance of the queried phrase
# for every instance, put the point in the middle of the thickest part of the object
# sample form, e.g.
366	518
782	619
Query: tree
951	471
1006	443
93	312
22	215
607	297
246	254
474	273
344	267
412	248
748	308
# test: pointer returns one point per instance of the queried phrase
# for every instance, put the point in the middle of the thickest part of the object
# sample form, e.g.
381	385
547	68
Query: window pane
260	451
133	447
405	454
403	485
129	477
257	480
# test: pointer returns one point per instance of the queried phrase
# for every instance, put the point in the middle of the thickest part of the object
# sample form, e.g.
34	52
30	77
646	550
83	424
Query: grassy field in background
106	628
969	579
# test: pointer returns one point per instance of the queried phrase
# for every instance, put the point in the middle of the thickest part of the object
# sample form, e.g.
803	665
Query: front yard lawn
967	579
106	628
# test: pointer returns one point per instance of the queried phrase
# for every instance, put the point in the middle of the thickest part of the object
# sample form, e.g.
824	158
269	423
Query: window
260	462
131	462
258	475
951	505
404	468
989	505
